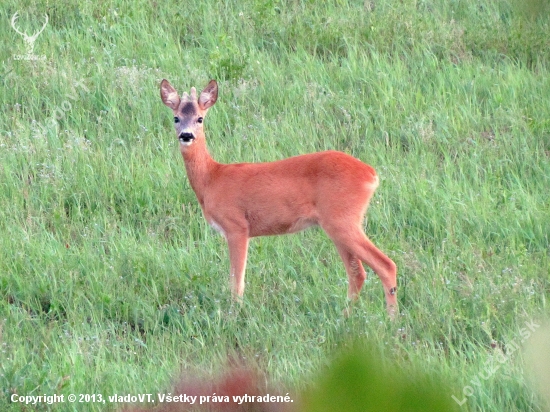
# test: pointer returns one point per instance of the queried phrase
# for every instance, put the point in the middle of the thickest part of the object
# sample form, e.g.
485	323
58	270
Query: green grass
111	280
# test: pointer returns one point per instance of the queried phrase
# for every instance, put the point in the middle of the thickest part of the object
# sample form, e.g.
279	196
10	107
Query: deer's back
291	194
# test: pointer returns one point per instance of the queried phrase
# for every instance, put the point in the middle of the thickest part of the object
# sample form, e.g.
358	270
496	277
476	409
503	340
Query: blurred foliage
538	361
358	380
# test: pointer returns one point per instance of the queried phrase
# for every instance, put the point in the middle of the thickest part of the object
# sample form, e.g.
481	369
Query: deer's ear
209	95
169	95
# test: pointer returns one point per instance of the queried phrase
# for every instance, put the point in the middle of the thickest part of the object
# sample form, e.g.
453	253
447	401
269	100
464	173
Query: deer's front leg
238	249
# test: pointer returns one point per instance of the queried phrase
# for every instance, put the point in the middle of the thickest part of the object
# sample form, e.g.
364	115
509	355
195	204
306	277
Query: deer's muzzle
186	137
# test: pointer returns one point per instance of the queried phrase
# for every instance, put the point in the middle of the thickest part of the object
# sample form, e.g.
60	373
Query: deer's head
189	112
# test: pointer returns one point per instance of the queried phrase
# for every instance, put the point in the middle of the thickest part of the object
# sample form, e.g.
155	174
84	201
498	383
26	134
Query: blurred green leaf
358	380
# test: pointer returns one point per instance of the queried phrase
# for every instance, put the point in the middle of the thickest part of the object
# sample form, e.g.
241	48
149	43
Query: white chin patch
184	143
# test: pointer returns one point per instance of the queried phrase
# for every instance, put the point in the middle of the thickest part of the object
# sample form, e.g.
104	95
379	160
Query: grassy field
112	282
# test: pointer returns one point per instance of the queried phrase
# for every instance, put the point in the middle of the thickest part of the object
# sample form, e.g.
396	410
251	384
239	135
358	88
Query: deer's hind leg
354	247
355	271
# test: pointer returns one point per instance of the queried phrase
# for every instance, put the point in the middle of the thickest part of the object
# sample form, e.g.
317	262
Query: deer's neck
199	165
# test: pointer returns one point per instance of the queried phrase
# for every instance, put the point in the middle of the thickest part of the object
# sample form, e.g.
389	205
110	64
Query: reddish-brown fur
243	200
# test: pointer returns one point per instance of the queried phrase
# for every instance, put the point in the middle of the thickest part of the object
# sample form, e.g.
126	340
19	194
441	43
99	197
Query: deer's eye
200	119
176	120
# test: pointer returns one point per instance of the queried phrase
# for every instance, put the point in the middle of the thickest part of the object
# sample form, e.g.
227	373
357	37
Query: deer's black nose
186	137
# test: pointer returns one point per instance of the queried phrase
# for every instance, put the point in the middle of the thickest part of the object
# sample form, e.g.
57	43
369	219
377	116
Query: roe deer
243	200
